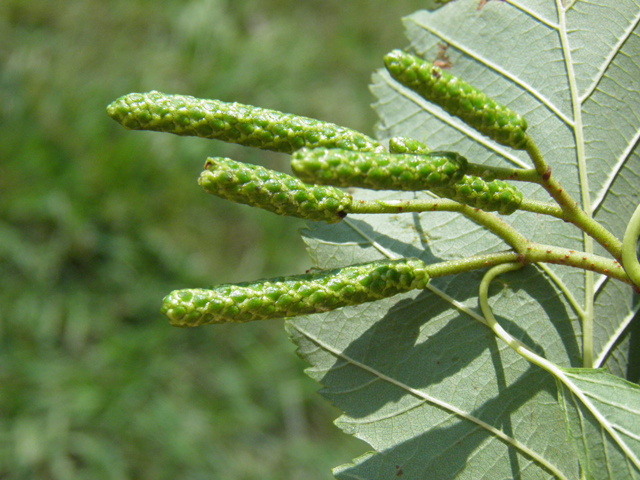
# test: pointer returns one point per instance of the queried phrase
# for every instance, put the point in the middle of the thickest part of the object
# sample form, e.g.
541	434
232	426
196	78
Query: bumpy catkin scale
495	196
233	122
458	98
378	171
274	191
295	295
407	145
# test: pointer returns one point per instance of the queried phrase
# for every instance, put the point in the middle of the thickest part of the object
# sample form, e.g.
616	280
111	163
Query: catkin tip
114	109
394	55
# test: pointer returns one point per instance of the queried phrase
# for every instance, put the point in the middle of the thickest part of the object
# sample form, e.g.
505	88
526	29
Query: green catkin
295	295
273	191
440	172
494	196
407	145
234	123
458	98
378	171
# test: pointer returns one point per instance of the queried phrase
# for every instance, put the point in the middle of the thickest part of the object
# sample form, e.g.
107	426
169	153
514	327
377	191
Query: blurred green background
98	223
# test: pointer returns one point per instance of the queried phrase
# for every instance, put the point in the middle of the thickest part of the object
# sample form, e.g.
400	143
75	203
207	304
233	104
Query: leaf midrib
585	194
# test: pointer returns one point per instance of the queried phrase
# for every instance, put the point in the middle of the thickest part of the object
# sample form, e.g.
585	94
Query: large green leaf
419	377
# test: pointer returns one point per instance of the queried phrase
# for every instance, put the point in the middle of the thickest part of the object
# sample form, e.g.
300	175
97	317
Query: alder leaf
418	376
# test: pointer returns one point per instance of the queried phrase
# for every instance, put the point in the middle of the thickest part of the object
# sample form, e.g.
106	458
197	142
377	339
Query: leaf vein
371	420
626	432
563	288
622	160
602	421
569	4
611	403
585	194
622	326
610	57
356	388
532	14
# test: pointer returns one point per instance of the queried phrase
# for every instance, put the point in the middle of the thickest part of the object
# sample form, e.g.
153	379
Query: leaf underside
619	402
418	377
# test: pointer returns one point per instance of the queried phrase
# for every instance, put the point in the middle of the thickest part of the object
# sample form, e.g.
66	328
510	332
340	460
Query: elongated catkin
234	123
458	98
274	191
295	295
